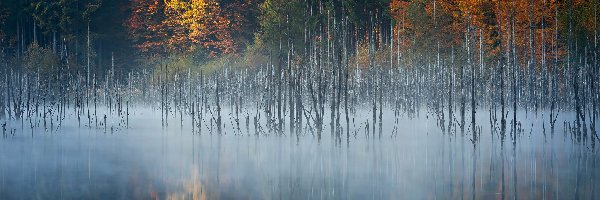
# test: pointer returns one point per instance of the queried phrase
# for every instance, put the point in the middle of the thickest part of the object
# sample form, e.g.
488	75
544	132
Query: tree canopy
211	29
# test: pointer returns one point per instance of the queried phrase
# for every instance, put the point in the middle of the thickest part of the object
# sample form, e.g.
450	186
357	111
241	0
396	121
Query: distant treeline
92	35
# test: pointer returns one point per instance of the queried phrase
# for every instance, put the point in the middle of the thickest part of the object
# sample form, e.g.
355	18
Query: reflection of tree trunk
473	170
515	183
462	180
503	193
593	177
553	169
578	174
451	160
218	167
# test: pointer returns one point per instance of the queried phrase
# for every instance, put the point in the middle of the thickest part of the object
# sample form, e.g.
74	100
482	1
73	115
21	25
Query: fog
418	161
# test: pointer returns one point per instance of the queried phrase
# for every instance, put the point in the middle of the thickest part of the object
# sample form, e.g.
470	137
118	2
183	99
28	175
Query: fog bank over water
411	159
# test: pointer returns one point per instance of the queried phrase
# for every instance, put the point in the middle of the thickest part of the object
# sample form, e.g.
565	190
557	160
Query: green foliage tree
3	39
47	15
283	21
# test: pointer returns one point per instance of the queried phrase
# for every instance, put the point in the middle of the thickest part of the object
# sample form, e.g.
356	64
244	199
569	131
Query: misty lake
299	99
412	158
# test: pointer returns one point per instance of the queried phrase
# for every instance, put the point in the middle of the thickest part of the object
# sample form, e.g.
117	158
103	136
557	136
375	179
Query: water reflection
412	159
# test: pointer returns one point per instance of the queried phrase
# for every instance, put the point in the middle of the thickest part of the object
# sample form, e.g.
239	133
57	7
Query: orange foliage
145	23
399	11
176	26
534	28
534	20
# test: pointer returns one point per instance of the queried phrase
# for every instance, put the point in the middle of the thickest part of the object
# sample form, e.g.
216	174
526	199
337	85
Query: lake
412	158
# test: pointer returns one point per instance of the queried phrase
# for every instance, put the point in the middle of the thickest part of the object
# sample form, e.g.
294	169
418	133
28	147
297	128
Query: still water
411	159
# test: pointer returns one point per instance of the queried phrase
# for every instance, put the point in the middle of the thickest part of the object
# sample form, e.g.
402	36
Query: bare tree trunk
450	92
501	74
532	71
3	91
88	56
218	102
514	74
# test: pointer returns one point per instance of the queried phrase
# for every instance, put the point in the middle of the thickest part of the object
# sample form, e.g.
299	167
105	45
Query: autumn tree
177	26
146	26
243	15
424	23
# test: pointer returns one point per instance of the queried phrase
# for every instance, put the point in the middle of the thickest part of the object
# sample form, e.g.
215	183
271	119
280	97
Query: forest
375	89
137	34
532	54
